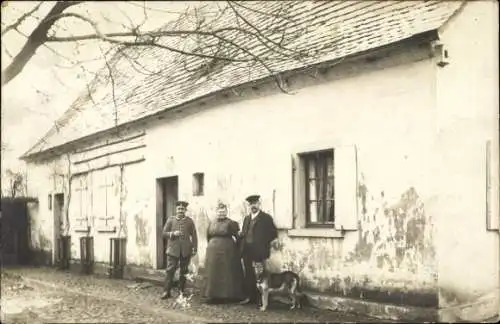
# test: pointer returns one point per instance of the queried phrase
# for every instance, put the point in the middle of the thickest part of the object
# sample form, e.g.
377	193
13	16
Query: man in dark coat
182	244
258	231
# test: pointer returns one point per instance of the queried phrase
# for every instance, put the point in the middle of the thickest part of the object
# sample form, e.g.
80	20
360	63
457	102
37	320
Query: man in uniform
182	244
258	231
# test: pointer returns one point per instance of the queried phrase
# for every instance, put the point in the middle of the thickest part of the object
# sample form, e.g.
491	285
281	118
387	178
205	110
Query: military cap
182	203
252	199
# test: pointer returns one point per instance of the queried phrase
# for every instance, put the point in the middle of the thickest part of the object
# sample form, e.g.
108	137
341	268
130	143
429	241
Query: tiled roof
334	29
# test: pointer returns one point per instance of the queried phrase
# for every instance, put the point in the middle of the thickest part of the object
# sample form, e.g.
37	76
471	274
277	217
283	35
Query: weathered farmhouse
380	169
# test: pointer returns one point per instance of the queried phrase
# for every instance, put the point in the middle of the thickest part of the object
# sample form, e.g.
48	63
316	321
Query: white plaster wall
467	115
40	184
245	147
140	226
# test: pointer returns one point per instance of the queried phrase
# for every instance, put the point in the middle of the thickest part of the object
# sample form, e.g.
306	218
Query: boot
182	284
168	286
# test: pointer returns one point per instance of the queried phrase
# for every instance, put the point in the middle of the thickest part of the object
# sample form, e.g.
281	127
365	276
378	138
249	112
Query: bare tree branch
143	5
215	37
145	17
21	19
151	43
264	38
7	50
35	40
110	73
67	201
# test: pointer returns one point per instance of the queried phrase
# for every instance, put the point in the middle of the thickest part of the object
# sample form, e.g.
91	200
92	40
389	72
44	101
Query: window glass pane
313	212
313	193
311	165
321	211
329	188
320	190
330	212
320	183
329	162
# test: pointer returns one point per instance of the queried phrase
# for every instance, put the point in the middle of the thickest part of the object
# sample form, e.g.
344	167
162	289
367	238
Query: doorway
58	209
166	198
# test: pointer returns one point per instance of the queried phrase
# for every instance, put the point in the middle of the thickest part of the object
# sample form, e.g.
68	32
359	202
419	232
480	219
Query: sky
50	83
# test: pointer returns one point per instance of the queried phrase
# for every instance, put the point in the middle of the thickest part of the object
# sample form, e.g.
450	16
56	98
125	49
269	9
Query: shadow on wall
41	245
141	231
42	255
23	241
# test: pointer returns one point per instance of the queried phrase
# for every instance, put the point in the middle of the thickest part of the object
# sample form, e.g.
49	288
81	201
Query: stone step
159	280
152	279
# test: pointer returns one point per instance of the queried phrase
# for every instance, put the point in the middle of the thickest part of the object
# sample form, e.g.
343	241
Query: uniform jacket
185	244
264	232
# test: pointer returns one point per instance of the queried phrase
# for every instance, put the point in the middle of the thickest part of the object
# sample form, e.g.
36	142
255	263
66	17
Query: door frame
161	190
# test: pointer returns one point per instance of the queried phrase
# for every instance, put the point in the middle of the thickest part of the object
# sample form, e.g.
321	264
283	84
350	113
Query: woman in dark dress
224	273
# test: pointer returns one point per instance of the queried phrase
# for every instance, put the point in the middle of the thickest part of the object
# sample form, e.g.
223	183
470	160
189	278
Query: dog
287	282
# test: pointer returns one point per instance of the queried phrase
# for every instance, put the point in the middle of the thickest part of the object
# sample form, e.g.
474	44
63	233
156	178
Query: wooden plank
112	142
108	160
114	148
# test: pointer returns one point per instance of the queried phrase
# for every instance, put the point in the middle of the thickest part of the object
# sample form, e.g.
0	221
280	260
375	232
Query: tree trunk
35	40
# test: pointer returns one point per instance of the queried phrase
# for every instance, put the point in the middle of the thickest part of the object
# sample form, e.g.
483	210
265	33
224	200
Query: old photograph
250	161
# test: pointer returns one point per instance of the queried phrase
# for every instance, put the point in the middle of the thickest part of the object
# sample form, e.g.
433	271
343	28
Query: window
198	184
324	191
50	201
319	191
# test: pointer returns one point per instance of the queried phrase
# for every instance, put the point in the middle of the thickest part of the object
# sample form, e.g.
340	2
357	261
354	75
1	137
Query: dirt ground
41	295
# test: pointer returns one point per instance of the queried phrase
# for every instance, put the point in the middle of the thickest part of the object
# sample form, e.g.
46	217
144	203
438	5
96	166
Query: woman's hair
221	205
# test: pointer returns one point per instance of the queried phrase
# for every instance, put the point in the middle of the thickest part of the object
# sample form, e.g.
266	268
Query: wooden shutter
84	214
345	172
75	203
79	203
110	213
99	199
113	195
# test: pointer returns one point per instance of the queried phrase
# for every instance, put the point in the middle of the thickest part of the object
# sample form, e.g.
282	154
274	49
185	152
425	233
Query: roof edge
424	37
452	17
72	109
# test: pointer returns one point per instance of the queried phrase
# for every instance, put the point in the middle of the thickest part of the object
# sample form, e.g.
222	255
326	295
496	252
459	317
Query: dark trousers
174	263
250	281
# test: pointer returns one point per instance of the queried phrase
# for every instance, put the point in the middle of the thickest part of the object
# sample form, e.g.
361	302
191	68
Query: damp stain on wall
392	260
394	236
141	231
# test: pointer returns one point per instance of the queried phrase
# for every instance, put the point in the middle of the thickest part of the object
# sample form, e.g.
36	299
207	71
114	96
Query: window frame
305	198
49	201
198	184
